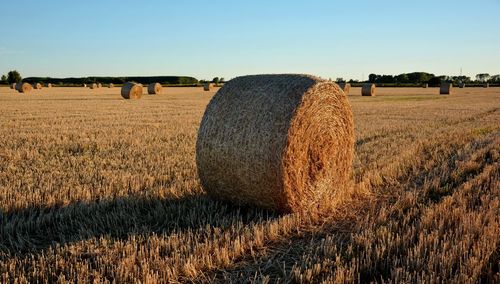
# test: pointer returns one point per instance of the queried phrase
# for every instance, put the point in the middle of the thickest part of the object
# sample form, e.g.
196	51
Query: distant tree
385	79
460	79
372	78
483	77
14	77
215	80
419	77
495	79
339	80
221	80
402	78
4	79
434	82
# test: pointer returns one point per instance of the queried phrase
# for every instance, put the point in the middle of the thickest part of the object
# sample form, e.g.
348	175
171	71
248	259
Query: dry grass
97	188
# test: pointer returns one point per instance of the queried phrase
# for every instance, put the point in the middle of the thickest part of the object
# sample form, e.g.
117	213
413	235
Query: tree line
419	78
15	77
405	79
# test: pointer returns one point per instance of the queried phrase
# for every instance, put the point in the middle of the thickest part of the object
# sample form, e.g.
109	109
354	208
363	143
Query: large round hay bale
486	85
280	142
346	87
207	86
111	85
93	86
131	90
446	88
37	86
368	89
154	89
24	87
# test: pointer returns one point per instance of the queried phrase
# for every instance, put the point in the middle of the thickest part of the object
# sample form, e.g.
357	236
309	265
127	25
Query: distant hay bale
111	85
446	88
93	86
486	85
425	85
368	89
131	90
154	88
99	85
85	85
207	86
280	142
24	87
461	85
346	87
13	86
49	85
37	86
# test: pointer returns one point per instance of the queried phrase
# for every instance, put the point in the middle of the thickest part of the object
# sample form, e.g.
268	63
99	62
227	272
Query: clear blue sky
64	38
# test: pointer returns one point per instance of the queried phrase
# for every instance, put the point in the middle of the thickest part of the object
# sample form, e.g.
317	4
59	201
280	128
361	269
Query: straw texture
24	87
368	89
154	89
446	88
131	90
346	87
280	142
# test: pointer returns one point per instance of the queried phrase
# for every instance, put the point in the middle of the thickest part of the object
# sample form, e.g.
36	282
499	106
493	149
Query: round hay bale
425	85
368	89
37	86
486	85
93	86
13	86
99	85
346	87
131	90
461	85
446	88
280	142
24	87
207	86
111	85
85	85
49	85
154	89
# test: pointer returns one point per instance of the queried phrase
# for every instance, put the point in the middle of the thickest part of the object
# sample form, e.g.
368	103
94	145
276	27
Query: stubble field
97	188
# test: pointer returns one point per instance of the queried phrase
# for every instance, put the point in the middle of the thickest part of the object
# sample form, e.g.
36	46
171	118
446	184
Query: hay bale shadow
33	229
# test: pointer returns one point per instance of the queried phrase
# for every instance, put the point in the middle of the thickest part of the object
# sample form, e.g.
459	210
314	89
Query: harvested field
97	188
